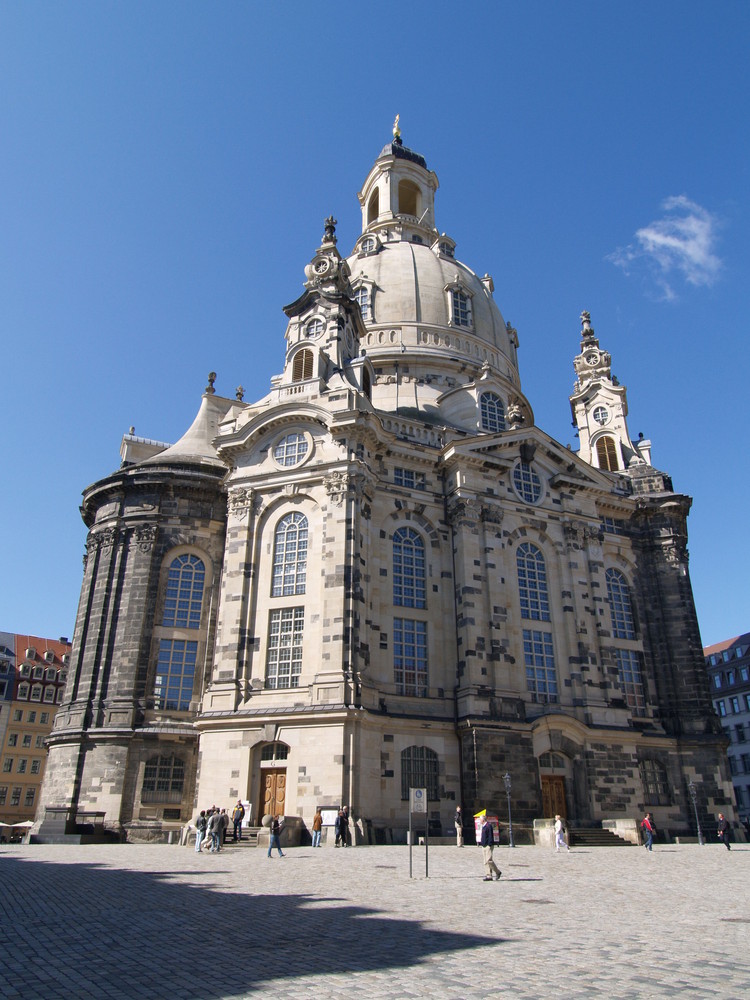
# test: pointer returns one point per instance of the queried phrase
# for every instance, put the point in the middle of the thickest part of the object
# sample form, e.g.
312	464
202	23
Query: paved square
94	923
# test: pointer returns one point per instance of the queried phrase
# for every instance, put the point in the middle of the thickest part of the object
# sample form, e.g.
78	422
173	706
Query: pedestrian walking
341	828
200	829
317	825
238	814
224	826
648	828
723	831
458	822
560	834
488	846
346	840
276	829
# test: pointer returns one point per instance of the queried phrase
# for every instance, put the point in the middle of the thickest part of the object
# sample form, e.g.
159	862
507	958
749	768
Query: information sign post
418	804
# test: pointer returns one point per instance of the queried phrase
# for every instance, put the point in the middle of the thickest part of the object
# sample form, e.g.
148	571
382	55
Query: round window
527	483
291	449
601	415
314	328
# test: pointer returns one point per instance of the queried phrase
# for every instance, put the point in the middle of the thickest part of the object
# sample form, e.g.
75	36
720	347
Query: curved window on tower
163	779
373	206
362	295
314	328
492	411
621	608
460	308
527	483
408	198
606	454
291	449
302	367
368	245
532	583
184	597
601	415
290	556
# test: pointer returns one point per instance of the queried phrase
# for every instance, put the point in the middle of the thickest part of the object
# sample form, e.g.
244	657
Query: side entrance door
273	792
553	795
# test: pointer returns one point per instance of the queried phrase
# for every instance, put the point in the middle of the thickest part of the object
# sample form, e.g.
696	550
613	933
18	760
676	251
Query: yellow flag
482	813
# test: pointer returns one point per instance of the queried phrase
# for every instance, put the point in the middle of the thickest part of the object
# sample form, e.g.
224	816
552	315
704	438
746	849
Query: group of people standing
211	827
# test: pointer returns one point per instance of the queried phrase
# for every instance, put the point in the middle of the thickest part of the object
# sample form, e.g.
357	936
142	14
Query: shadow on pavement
98	931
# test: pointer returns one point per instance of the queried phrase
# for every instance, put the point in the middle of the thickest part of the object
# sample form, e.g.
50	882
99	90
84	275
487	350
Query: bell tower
600	407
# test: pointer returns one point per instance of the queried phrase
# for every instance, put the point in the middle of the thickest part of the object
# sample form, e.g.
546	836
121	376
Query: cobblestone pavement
127	922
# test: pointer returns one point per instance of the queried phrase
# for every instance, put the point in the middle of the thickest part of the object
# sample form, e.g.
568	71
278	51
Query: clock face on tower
591	359
321	266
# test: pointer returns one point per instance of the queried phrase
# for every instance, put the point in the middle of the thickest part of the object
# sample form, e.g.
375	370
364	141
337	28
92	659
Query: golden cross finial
396	129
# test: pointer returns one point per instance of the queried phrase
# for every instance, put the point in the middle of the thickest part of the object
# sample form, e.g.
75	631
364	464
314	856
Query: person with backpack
201	823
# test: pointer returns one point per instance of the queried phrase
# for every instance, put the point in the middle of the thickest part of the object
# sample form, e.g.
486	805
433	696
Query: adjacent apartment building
33	672
728	665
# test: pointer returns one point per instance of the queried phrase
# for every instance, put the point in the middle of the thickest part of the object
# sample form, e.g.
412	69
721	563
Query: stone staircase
592	836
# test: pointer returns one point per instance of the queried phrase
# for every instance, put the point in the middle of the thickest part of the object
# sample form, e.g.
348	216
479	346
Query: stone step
595	837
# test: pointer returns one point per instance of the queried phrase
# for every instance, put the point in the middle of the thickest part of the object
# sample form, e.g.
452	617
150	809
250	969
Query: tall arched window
419	769
408	198
163	779
621	608
290	556
302	368
373	206
606	453
408	569
532	583
493	412
184	597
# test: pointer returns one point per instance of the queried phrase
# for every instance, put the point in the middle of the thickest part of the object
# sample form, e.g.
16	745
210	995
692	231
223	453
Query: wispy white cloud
679	245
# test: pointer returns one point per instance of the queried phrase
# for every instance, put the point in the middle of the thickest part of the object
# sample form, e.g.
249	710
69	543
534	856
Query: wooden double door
272	792
553	796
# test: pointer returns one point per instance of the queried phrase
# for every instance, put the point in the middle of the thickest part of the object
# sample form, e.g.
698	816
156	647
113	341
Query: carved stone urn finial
210	387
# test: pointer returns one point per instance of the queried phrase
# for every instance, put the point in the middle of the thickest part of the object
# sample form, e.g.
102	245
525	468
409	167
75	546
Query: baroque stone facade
384	574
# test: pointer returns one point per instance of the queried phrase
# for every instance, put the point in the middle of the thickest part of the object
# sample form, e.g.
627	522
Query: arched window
419	769
163	779
362	295
373	206
184	598
620	606
273	752
290	556
492	411
368	244
408	198
302	367
408	569
532	583
527	483
656	790
366	387
606	453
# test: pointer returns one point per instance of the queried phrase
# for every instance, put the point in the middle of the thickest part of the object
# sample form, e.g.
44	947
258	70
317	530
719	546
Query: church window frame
314	327
290	548
409	569
541	672
533	594
274	753
606	453
492	412
461	309
620	605
630	676
655	781
420	768
284	649
183	595
368	244
163	779
174	681
600	415
373	206
292	449
302	365
409	479
409	198
410	661
527	482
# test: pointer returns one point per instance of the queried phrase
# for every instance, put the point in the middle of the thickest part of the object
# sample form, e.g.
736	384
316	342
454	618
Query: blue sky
166	169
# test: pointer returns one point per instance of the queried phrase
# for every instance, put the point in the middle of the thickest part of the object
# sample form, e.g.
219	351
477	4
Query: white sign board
418	800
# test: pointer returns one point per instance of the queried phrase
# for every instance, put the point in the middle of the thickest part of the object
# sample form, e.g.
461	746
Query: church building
384	575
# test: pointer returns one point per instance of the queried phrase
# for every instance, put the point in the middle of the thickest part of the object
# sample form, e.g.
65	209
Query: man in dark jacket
488	846
723	831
